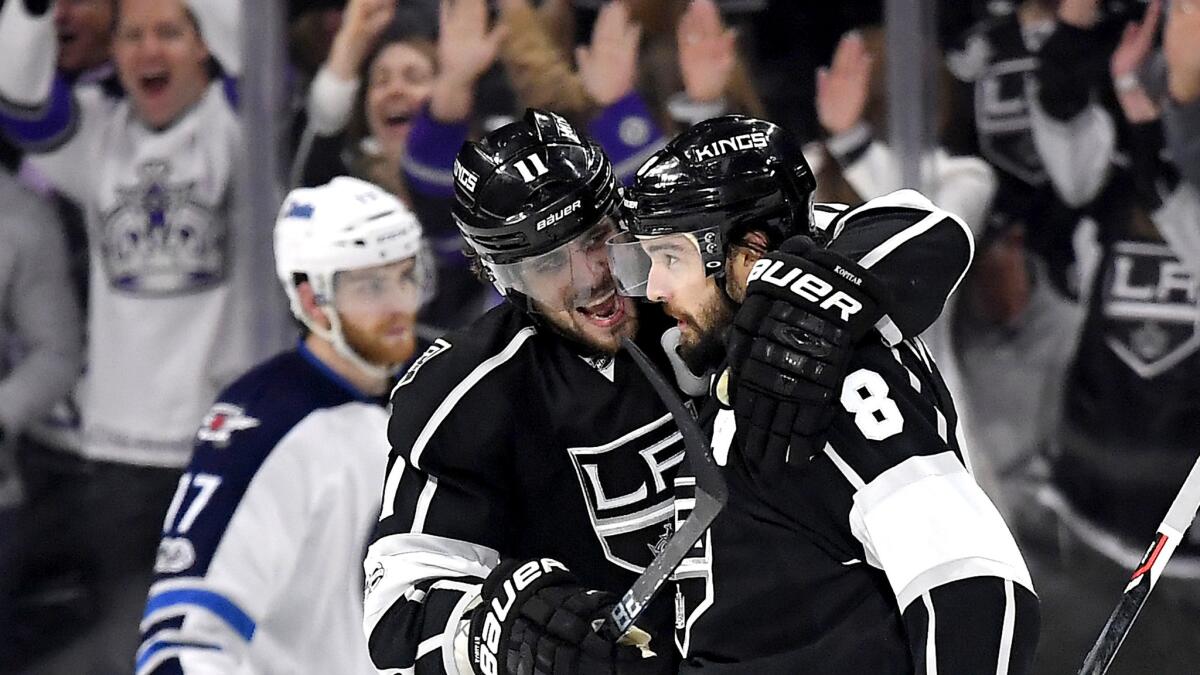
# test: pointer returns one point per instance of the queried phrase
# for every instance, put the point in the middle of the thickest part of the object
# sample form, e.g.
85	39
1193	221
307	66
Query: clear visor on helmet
574	274
656	266
400	286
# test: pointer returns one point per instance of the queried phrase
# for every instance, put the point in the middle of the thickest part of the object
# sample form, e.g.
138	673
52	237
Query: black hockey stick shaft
1179	517
711	494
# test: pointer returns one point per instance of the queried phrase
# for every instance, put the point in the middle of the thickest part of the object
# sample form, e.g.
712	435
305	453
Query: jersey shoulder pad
878	227
254	413
496	337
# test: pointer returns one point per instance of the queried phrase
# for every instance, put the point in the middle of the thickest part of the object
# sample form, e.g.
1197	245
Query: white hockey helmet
346	224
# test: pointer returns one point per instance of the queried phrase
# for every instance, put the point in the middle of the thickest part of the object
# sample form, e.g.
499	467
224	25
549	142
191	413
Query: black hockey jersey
1131	424
879	554
510	444
1052	161
507	443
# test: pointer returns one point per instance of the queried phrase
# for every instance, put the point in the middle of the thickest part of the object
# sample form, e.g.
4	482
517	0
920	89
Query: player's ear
740	258
313	309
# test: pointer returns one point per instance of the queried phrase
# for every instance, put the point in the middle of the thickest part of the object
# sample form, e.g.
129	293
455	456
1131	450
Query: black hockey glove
792	338
535	619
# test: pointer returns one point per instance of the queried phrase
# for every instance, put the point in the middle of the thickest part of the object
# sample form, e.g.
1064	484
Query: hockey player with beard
258	568
883	554
532	463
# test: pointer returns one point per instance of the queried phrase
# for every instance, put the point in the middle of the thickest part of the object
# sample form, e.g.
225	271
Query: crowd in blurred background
1067	135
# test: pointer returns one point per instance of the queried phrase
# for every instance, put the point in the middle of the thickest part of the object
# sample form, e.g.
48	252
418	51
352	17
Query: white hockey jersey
170	315
260	565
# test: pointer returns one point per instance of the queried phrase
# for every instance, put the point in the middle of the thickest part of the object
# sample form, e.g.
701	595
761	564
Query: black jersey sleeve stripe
974	627
461	390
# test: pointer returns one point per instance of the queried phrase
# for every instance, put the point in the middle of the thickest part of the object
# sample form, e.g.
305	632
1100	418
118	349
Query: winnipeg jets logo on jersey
626	484
221	421
1151	305
159	237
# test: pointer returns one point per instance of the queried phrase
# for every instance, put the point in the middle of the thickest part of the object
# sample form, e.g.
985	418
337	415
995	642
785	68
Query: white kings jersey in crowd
260	565
171	283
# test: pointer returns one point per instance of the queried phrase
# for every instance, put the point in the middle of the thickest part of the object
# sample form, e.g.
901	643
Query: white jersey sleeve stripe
1006	633
423	502
454	646
892	335
895	241
931	638
461	390
429	645
850	474
391	485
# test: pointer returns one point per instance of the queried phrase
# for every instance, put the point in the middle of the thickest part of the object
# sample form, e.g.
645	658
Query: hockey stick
711	494
1179	518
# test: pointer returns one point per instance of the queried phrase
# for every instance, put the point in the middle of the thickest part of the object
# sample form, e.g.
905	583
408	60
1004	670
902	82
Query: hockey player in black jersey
860	547
526	445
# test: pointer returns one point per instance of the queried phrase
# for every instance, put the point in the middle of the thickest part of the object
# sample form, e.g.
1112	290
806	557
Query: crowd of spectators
1067	137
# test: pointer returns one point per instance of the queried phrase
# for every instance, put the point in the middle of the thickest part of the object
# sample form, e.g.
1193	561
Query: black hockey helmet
529	186
714	181
527	197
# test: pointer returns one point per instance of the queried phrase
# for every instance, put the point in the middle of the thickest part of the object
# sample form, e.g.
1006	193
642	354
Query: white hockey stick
1179	518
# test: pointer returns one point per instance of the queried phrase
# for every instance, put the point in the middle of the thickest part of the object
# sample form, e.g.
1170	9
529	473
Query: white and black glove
536	619
805	309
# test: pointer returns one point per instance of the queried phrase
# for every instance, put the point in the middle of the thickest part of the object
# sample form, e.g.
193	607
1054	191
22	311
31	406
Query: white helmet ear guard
346	224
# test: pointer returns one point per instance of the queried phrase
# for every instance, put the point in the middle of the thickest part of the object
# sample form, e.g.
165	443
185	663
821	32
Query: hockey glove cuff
535	619
791	342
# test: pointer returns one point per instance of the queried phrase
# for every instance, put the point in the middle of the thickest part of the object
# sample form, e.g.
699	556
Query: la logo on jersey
1151	305
159	236
221	421
627	487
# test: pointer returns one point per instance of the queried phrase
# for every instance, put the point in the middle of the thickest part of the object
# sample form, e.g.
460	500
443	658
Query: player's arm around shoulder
444	518
913	248
959	579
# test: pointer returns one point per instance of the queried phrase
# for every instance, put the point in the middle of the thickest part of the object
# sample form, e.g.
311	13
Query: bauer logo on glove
807	285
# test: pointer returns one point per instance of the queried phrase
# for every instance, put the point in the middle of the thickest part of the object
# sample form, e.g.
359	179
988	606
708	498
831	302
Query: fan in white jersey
175	311
259	568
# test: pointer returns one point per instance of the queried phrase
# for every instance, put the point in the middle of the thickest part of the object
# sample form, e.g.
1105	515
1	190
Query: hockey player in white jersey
259	568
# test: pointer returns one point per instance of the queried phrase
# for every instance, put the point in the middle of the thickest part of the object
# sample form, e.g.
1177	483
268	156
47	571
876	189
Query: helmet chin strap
337	338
